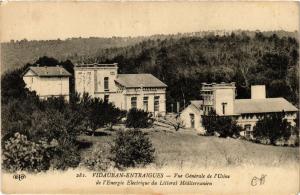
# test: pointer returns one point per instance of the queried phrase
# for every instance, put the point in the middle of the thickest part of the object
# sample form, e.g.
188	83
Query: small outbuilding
191	115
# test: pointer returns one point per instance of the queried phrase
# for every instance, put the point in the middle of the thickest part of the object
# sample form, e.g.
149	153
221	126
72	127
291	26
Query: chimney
258	92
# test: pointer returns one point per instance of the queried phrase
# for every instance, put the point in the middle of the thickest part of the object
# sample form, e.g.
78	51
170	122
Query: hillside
182	61
17	53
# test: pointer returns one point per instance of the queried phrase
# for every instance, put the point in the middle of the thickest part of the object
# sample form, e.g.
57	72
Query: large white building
47	81
125	91
221	99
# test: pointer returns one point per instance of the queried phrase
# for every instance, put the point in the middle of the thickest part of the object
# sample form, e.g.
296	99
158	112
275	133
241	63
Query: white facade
218	97
91	80
246	112
49	86
248	121
99	80
191	117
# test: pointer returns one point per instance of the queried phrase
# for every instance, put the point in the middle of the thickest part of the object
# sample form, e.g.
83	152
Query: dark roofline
96	65
30	68
141	86
266	112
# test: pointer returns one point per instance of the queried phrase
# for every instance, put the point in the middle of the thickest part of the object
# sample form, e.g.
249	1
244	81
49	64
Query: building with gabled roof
265	105
221	99
191	115
125	91
47	81
138	80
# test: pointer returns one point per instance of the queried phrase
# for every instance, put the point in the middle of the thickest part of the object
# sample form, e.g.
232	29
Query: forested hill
183	61
186	62
17	53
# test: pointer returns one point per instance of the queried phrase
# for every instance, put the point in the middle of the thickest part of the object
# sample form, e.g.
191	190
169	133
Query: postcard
149	97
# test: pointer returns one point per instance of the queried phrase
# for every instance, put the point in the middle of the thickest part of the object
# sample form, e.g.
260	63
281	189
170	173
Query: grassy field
186	149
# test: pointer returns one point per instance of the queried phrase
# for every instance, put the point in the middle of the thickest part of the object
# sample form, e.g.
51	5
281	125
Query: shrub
177	123
97	113
138	119
272	127
63	127
209	123
65	156
113	115
20	154
224	126
99	159
132	148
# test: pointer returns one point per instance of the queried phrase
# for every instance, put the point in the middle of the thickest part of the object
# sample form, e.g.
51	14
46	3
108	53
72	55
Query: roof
139	80
95	65
244	106
197	103
50	71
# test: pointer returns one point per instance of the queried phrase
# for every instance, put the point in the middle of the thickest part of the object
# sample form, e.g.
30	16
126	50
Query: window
156	103
248	131
145	103
133	102
95	81
106	98
89	78
223	107
106	80
31	80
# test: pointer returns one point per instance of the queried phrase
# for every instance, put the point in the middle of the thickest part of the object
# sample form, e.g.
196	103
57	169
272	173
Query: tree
272	127
209	122
12	86
113	115
224	126
132	148
138	119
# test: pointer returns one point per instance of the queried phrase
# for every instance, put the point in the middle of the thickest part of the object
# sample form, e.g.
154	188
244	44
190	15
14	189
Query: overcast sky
52	20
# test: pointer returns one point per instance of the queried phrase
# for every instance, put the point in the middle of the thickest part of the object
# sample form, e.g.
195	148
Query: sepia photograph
158	97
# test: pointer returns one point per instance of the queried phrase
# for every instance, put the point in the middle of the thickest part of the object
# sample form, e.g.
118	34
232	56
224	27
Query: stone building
125	91
48	81
221	99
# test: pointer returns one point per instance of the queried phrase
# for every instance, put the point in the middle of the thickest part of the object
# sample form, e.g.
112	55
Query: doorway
192	119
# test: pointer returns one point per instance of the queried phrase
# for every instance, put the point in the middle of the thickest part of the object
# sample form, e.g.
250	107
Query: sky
53	20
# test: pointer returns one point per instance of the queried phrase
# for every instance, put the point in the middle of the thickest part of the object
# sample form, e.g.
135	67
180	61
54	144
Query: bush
132	148
224	126
99	159
63	127
97	113
20	154
209	123
65	156
272	127
177	123
138	119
